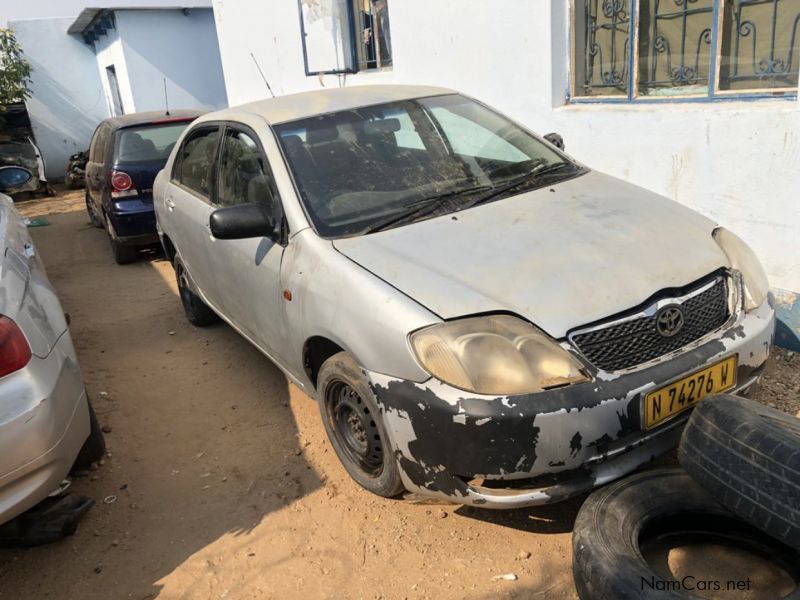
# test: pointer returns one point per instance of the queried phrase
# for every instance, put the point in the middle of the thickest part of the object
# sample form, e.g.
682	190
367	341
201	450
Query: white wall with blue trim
736	162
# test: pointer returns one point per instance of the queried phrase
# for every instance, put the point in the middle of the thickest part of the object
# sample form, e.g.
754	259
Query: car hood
560	256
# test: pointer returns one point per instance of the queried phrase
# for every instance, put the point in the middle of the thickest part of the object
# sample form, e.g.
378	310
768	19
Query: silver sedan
481	317
47	426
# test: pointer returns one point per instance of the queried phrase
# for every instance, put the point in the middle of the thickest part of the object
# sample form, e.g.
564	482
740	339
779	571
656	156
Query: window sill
787	102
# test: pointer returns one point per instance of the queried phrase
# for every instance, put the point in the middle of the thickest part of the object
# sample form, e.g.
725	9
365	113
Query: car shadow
202	441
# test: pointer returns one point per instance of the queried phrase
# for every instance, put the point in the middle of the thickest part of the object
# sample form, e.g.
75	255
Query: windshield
148	142
358	168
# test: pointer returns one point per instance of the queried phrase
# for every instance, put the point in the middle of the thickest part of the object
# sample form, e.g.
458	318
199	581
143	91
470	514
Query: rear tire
93	218
355	428
747	456
123	254
94	448
197	312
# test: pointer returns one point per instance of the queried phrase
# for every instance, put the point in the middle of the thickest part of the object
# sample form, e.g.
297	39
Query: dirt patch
224	483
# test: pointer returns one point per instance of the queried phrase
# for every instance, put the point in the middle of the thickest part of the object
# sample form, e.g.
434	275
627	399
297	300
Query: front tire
355	428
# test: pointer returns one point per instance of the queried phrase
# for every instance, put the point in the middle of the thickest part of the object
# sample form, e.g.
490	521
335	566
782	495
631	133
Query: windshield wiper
421	208
530	177
546	169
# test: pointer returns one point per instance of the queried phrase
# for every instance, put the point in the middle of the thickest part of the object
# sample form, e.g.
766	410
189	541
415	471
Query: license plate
670	400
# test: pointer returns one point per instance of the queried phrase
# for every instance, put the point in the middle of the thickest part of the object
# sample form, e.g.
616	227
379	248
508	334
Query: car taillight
121	181
15	352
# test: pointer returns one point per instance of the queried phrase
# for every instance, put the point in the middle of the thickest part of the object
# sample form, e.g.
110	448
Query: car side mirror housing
11	177
556	140
243	221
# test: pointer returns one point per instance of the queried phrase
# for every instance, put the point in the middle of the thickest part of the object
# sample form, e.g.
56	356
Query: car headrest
321	134
383	126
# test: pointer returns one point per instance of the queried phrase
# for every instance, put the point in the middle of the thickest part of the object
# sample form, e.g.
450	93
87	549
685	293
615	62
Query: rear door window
147	143
194	164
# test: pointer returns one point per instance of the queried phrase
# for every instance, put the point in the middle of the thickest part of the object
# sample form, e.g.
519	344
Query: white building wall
179	46
67	100
738	162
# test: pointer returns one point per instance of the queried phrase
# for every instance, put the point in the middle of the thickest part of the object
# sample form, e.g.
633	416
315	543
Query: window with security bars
638	49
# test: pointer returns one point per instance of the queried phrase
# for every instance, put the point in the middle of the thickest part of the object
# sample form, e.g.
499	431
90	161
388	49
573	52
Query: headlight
744	260
498	355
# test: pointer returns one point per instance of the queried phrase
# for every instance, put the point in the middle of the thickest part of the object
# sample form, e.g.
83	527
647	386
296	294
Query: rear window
147	142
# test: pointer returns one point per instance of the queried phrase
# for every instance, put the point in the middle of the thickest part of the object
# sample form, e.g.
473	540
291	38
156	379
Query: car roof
308	104
144	118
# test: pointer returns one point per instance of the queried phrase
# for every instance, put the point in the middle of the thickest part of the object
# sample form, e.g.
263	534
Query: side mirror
556	140
11	177
242	221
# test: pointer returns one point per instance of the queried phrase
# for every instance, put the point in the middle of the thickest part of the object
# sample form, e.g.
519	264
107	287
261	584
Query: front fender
335	298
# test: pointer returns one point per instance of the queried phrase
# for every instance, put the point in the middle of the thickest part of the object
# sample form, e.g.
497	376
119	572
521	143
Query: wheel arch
316	350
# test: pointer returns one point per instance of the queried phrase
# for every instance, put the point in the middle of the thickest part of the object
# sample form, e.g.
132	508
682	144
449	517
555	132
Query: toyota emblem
669	321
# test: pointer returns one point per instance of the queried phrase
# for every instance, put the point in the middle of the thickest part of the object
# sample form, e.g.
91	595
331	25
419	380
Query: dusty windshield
382	166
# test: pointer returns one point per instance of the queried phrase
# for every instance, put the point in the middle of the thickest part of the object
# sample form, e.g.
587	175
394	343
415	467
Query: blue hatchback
125	156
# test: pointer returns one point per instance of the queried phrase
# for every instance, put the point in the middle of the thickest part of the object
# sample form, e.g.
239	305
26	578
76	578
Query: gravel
780	385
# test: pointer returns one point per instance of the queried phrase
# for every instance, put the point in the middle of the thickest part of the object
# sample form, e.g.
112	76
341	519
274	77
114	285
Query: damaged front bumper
516	451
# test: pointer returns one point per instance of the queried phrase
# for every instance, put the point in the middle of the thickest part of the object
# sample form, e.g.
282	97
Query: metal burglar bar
682	65
764	42
607	45
711	49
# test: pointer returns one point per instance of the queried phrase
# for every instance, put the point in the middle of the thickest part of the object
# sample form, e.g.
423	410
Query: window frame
280	214
96	153
242	128
714	94
354	28
178	162
350	34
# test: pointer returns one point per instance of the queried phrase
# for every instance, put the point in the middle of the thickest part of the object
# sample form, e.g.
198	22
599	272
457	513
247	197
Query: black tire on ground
747	456
123	254
355	428
93	218
197	312
94	448
607	558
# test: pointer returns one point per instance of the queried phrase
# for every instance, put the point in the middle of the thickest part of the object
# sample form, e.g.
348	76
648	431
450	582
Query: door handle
170	204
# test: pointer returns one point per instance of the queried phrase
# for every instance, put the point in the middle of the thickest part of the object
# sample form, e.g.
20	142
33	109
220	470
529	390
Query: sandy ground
224	484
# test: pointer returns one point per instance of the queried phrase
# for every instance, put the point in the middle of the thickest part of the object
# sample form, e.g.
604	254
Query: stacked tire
741	461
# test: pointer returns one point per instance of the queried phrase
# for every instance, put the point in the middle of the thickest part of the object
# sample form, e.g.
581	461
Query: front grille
625	344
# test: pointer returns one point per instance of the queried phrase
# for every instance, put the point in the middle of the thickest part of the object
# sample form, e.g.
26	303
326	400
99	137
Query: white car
481	317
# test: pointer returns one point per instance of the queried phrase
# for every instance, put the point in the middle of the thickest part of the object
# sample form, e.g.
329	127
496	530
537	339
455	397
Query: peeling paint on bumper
508	452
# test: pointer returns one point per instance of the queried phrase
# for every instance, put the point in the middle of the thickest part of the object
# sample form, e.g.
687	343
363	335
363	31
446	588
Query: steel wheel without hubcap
354	424
354	428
